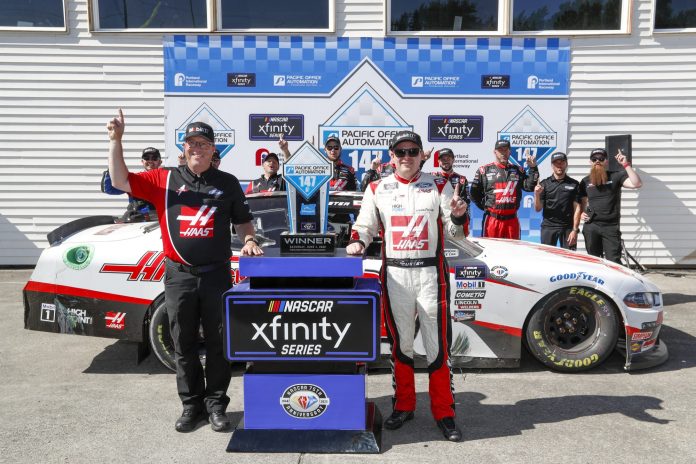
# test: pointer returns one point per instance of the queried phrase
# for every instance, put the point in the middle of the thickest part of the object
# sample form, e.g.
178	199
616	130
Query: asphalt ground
72	399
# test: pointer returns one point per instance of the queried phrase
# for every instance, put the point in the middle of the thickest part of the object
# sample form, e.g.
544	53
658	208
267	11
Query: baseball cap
151	151
502	143
216	154
272	155
406	136
199	129
445	152
598	152
332	138
559	155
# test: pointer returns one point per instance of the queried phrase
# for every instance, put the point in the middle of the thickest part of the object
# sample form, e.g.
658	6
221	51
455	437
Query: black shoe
397	419
188	420
449	429
219	421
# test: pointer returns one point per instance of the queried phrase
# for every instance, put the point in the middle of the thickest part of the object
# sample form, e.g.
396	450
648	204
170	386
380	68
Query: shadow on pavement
480	421
671	299
121	358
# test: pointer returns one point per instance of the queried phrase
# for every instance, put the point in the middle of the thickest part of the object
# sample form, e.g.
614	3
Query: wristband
251	239
625	165
577	231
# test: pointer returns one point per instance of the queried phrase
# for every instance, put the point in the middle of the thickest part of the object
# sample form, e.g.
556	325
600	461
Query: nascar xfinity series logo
409	232
304	401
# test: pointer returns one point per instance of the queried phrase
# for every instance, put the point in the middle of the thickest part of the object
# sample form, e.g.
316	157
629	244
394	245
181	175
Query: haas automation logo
197	223
409	233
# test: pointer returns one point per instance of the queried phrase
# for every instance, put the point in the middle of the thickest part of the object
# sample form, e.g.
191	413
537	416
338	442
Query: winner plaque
307	174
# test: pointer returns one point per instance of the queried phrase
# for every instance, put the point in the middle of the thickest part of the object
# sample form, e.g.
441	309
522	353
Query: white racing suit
413	218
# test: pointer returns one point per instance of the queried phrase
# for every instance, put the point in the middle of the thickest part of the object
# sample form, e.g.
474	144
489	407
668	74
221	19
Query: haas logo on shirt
506	192
409	233
196	223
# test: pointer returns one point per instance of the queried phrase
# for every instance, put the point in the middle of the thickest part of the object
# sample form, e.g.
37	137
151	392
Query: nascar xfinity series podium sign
460	93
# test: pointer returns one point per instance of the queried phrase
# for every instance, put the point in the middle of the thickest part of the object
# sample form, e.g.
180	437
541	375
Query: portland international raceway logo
529	134
224	134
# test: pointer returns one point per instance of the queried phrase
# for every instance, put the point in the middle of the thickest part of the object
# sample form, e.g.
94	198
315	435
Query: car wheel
161	339
573	329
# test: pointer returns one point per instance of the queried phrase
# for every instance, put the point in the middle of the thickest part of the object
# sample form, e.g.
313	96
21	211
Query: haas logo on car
149	268
409	232
197	223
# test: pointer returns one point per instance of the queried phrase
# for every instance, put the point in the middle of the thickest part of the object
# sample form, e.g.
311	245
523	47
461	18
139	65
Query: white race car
571	310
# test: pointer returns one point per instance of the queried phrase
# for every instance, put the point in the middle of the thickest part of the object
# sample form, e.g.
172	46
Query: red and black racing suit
414	217
194	214
497	190
343	178
275	183
459	179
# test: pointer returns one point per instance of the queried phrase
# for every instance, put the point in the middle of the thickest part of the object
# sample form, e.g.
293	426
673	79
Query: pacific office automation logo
416	81
409	233
197	222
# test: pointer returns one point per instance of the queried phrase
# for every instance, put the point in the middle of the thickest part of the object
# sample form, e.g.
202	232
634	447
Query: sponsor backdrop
459	93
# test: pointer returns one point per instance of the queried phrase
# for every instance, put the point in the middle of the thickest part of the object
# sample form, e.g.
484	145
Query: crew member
270	180
137	210
416	211
195	204
558	196
600	194
216	159
446	160
497	190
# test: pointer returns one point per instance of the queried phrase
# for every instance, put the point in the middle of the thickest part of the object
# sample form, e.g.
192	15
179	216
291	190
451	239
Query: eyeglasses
333	147
151	158
594	159
196	144
412	152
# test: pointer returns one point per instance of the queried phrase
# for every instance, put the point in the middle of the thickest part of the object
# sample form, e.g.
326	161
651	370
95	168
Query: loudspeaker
614	143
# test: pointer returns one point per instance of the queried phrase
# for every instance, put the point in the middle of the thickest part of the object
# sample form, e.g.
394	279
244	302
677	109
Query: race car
571	311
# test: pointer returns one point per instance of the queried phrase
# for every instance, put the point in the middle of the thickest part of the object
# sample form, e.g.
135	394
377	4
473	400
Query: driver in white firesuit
415	211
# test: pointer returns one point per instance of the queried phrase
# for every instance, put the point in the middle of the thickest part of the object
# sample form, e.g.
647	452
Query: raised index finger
120	116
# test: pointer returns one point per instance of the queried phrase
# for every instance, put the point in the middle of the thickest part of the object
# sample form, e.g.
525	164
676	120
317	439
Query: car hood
112	232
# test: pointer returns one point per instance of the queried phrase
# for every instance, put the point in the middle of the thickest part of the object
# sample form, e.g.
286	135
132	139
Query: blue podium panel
271	264
304	401
303	324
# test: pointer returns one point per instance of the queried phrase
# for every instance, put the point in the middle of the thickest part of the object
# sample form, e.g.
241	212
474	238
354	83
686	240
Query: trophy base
368	441
303	244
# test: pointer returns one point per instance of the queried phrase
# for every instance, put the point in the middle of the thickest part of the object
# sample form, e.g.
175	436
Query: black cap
598	151
216	154
445	152
149	151
200	129
559	155
502	143
406	136
271	155
332	138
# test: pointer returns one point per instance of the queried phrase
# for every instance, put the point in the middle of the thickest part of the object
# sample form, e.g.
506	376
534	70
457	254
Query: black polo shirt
558	200
605	200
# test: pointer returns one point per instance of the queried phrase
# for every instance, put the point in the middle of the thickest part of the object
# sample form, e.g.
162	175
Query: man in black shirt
558	196
600	194
195	205
270	180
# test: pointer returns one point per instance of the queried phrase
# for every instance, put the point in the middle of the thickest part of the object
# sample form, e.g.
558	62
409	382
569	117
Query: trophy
307	174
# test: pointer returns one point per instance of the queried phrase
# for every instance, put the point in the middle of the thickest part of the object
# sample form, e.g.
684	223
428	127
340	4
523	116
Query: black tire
160	338
573	329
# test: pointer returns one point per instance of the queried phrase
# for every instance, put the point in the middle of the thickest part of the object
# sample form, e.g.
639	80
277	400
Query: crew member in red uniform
195	204
270	180
414	211
497	190
446	160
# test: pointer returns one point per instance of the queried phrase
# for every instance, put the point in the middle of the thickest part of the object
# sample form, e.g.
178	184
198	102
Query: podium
306	326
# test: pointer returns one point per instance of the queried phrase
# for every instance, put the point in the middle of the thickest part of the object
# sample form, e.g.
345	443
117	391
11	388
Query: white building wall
58	90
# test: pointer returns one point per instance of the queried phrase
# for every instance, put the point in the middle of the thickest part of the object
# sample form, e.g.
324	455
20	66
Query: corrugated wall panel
58	90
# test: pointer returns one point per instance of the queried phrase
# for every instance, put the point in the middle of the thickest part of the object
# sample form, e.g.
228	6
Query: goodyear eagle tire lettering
573	329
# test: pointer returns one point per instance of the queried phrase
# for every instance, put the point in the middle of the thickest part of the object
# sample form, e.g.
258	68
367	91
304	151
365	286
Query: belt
413	262
198	269
501	217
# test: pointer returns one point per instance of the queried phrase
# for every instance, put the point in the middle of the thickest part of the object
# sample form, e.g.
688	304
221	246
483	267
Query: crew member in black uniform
195	204
497	190
558	196
600	194
270	180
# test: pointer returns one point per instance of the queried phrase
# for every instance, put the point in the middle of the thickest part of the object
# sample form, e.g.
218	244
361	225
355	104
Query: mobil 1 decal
306	327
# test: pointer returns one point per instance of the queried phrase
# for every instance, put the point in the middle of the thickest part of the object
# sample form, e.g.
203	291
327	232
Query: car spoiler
72	227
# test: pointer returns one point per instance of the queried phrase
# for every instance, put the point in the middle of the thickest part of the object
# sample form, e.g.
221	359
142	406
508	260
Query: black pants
193	301
551	235
603	240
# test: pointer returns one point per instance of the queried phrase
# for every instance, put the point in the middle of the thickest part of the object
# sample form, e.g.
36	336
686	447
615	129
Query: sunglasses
594	159
150	158
332	147
197	144
401	152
